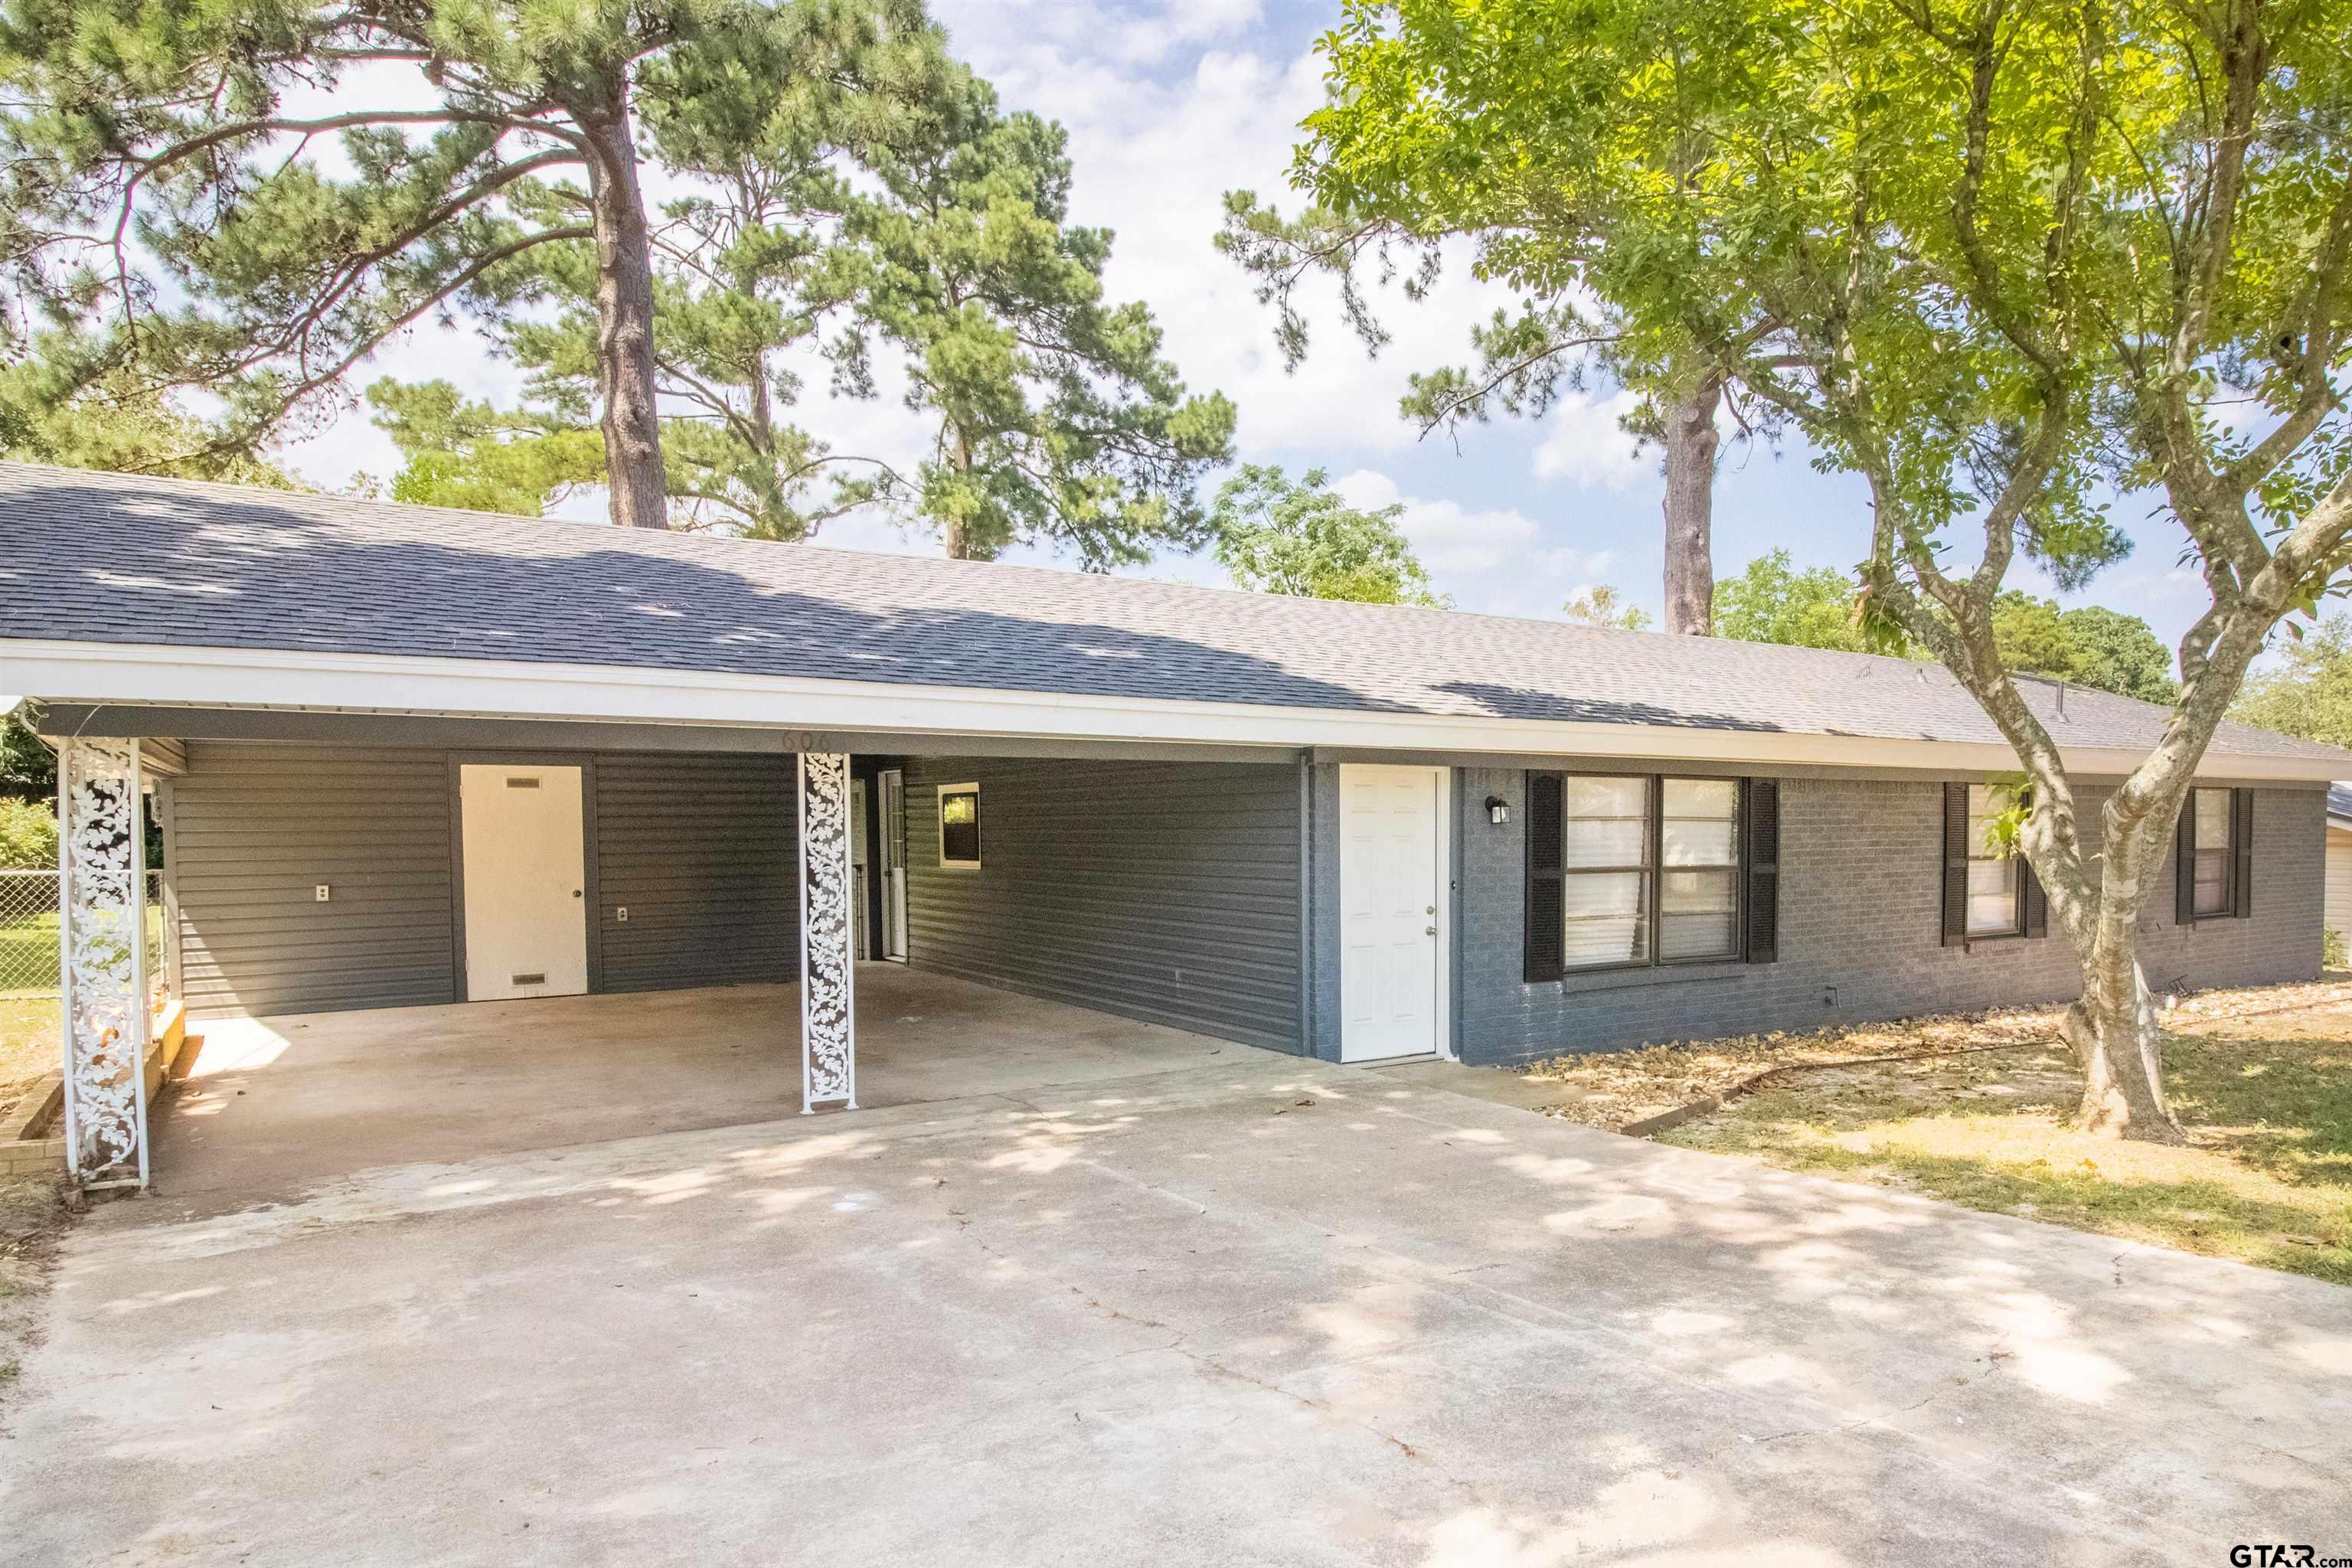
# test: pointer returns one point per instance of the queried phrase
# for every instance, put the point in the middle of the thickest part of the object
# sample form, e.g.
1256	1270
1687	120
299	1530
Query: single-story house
405	757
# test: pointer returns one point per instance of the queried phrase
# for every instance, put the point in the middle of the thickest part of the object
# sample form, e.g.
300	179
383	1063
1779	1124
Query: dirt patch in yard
32	1215
28	1044
2263	1078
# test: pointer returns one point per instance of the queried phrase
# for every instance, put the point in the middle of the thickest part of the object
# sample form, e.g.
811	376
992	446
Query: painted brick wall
1860	881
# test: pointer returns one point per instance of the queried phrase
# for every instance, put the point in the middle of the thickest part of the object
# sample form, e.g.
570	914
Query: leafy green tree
471	455
1057	418
29	770
170	181
1995	260
2092	645
2309	691
1771	601
1395	164
748	268
1599	606
28	836
1302	539
115	424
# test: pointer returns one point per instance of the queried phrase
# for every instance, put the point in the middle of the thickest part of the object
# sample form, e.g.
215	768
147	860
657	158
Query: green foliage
1599	606
28	834
29	770
2309	692
749	267
1057	418
1778	189
470	454
251	196
1773	602
2093	646
115	424
1277	537
2333	952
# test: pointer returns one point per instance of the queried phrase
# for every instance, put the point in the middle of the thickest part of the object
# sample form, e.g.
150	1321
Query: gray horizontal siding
701	850
1162	891
255	827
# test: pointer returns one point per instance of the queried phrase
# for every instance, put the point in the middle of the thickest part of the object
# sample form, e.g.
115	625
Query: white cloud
1495	559
1587	443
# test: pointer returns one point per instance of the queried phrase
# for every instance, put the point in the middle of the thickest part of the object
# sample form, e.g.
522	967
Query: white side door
1392	872
894	864
526	918
858	869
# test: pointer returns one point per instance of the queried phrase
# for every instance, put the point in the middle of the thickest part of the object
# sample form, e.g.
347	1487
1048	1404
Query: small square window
959	827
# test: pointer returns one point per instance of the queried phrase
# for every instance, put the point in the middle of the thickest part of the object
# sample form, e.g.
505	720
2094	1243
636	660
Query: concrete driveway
1250	1311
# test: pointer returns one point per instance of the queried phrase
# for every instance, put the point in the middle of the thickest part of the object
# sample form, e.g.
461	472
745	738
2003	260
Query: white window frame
944	791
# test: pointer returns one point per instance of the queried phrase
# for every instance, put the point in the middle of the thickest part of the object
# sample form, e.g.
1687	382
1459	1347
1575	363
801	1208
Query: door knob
1429	931
575	893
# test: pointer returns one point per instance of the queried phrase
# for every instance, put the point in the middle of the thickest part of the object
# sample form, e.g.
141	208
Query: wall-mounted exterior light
1498	810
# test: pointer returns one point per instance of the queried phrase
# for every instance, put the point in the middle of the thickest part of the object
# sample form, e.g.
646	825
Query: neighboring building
425	756
2339	917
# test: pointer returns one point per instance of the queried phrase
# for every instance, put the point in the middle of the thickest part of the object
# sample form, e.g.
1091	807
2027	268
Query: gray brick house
408	757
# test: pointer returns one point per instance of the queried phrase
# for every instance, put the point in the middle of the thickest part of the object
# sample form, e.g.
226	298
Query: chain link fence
29	935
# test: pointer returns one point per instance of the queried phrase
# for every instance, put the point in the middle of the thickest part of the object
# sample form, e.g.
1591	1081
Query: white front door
526	918
1391	924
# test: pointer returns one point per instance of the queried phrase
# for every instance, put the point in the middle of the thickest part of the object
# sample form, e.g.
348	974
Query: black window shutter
1955	865
1546	842
2184	863
2037	902
2242	853
1759	849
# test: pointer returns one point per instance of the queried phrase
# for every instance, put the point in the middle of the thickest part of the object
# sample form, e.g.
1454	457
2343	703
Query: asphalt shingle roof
110	558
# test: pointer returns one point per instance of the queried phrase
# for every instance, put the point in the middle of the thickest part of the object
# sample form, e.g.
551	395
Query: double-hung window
2214	856
1996	880
1649	869
1988	893
2210	852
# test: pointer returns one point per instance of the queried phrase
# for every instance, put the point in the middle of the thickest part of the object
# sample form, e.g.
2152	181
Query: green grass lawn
2262	1080
28	954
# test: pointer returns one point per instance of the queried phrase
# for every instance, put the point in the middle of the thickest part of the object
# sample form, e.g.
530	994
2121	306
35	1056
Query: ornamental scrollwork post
103	960
828	928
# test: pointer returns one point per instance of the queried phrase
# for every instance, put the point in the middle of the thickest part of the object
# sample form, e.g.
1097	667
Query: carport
404	937
271	1107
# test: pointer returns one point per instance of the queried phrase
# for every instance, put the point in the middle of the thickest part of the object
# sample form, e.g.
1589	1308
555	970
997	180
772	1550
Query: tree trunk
962	546
2114	1027
625	374
1691	443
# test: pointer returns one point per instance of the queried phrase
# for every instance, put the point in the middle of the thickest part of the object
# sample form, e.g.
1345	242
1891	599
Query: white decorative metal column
828	933
102	961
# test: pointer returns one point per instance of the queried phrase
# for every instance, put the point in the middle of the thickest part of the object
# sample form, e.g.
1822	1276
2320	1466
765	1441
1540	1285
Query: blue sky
1168	106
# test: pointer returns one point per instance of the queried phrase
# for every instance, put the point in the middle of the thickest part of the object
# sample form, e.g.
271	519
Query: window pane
1992	896
1994	885
1699	914
2212	876
1702	823
1606	822
2212	819
1604	918
958	827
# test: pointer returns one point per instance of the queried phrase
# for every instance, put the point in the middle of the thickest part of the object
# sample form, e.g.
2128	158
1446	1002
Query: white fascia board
504	688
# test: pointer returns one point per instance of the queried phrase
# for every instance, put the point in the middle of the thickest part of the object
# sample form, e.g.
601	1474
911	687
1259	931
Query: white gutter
501	689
